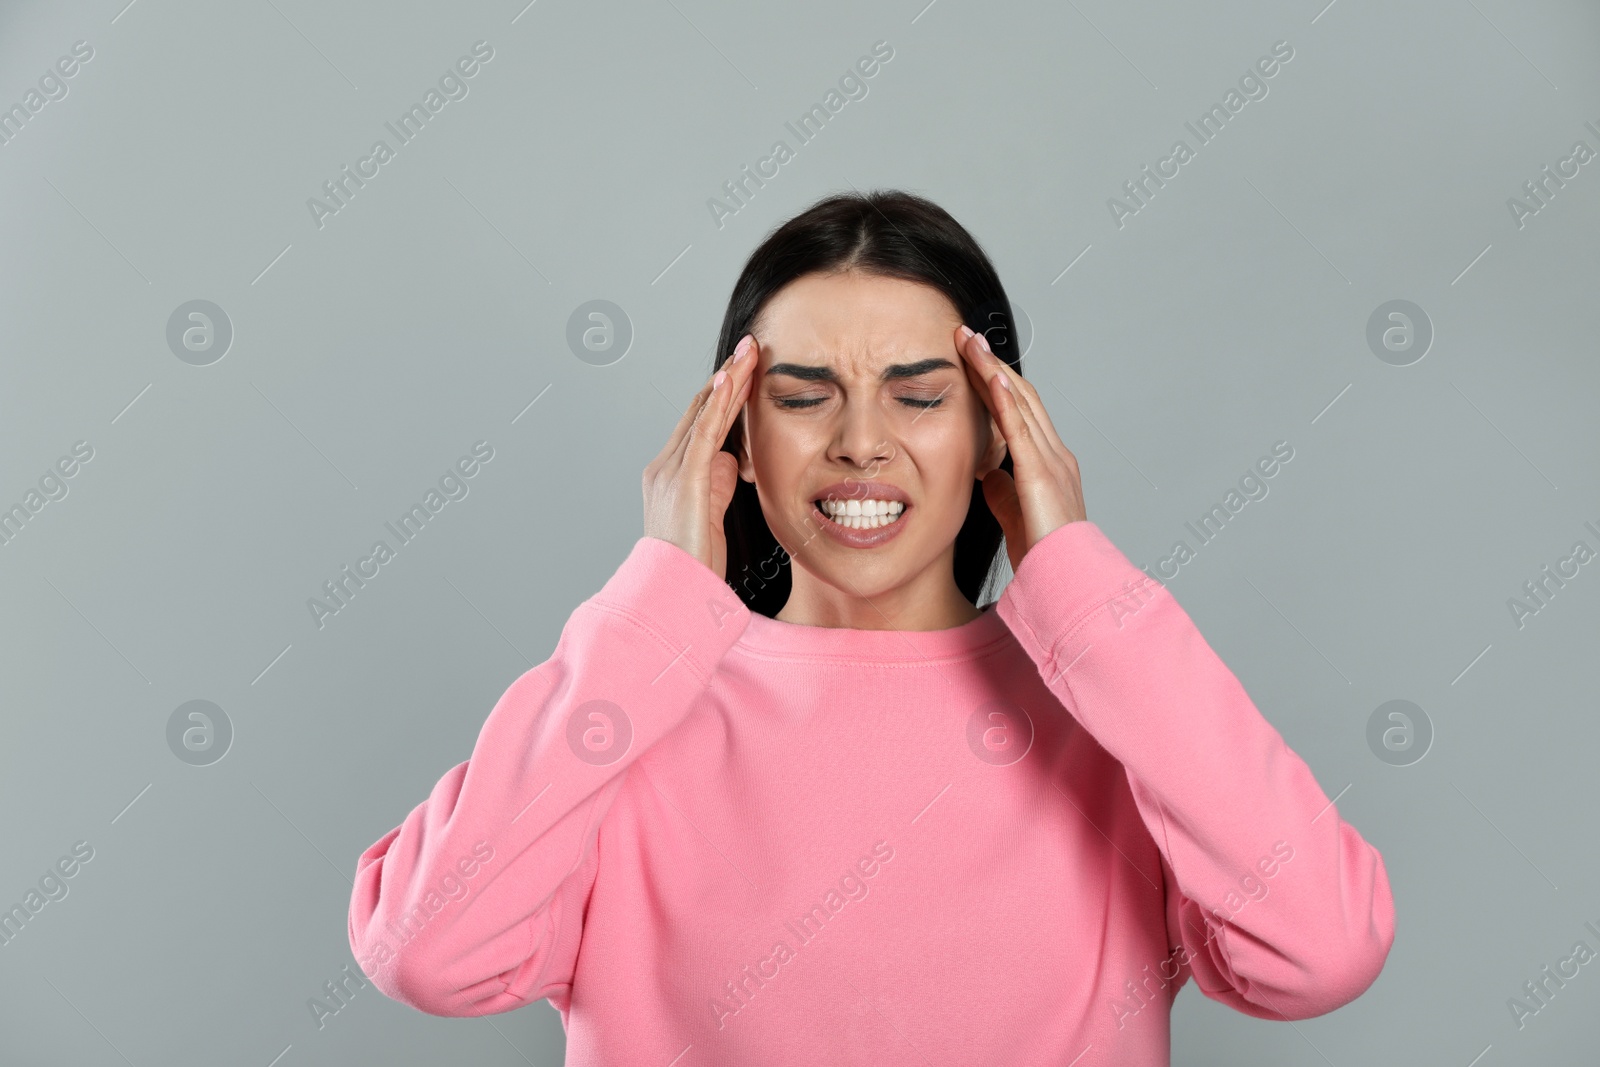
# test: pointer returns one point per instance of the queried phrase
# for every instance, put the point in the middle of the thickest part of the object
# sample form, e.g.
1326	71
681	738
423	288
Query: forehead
855	318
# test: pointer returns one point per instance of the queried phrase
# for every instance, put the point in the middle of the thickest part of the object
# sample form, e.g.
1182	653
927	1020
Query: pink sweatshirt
710	837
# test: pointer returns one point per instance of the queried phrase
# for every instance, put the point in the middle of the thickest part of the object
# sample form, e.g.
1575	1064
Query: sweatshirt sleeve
1281	910
475	903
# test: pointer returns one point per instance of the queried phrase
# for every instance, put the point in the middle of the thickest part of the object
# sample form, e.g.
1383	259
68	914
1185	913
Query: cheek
943	459
947	447
778	454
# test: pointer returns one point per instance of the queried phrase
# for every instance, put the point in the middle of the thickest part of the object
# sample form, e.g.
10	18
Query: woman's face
859	392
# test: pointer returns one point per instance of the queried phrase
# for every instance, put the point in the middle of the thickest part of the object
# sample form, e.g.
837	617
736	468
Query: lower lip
851	538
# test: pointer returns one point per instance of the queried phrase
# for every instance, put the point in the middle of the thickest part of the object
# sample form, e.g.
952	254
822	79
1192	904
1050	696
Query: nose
861	437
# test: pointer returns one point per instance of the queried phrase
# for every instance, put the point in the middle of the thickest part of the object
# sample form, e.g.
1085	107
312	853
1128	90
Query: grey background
369	354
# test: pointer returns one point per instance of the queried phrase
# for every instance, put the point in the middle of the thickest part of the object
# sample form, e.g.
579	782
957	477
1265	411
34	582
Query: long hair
892	234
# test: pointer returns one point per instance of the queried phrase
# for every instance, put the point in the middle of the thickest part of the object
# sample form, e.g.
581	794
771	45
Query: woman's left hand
1047	492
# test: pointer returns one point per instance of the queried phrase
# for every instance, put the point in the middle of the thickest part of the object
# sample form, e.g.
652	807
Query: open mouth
856	514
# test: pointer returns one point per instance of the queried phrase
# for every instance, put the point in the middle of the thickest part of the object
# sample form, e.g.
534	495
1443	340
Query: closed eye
909	401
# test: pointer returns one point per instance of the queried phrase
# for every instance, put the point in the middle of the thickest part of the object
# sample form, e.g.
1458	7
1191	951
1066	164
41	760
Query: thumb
724	480
1000	493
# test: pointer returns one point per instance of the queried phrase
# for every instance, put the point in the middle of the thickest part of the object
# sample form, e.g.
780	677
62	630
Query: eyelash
922	405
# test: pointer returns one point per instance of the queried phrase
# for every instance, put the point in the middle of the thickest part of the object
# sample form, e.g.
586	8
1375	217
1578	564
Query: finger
1037	413
977	372
995	375
696	404
982	377
710	429
1000	493
742	372
1022	437
736	390
1041	415
681	431
724	480
1025	395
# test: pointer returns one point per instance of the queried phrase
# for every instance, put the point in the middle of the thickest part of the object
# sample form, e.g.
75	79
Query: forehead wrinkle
895	363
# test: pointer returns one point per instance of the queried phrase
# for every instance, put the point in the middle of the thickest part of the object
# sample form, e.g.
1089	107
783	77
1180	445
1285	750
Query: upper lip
857	489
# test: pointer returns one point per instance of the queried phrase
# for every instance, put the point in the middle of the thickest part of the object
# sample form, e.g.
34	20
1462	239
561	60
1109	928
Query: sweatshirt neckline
774	637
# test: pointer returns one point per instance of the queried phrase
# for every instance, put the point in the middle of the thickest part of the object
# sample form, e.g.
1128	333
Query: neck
933	603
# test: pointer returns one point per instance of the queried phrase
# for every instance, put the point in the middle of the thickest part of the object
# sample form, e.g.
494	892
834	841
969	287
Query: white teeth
862	514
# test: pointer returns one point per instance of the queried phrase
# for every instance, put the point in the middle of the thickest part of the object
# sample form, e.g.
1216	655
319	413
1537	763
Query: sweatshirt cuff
680	600
1070	574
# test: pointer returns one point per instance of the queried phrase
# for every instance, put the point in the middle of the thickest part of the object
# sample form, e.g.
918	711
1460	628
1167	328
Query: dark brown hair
892	234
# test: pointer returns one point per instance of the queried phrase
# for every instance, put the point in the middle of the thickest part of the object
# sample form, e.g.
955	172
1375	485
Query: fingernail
1005	383
966	331
742	347
717	379
983	342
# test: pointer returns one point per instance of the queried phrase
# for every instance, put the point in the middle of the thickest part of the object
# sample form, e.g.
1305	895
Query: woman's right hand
688	486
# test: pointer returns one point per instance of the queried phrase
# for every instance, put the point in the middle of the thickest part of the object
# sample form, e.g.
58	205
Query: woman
784	794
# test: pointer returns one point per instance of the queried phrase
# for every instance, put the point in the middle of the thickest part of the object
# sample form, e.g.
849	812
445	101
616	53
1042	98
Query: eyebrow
890	373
